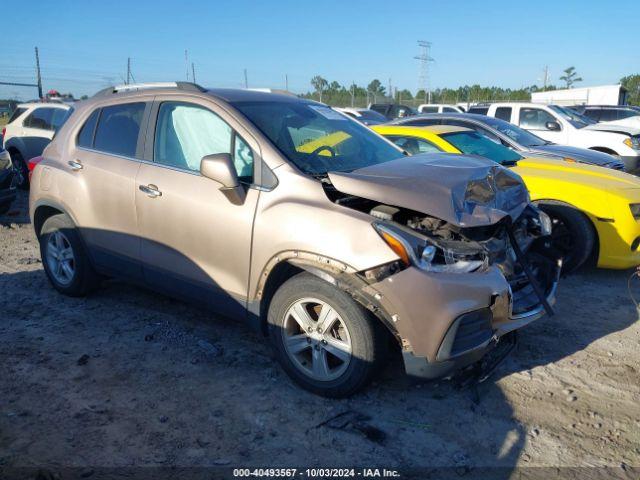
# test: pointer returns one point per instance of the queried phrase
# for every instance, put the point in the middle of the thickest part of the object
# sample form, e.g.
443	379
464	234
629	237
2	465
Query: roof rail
187	86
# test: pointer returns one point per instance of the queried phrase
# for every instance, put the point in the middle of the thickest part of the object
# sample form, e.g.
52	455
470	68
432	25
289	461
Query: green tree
403	95
376	89
320	84
632	84
570	76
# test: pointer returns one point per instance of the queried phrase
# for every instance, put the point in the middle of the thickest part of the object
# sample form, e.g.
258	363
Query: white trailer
601	95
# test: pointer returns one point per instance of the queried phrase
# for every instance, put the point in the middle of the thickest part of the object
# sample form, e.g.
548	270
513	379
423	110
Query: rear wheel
323	339
64	258
572	233
22	170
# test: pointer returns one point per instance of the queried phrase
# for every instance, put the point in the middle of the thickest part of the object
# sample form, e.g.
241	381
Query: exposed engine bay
530	267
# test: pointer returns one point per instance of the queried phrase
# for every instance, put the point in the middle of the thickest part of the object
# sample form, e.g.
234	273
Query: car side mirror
219	168
553	126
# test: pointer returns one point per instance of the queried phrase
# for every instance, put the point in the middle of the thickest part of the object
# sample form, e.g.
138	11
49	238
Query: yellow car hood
577	173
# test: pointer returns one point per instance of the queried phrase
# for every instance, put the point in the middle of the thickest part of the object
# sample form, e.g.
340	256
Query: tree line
334	94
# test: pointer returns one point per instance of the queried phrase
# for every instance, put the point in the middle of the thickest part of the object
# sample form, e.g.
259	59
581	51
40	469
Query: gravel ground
127	378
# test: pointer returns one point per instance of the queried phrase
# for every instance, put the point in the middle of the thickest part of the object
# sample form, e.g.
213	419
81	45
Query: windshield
517	134
573	117
472	143
316	138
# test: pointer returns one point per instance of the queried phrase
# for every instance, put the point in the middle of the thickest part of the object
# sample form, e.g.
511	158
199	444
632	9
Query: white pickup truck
439	108
566	127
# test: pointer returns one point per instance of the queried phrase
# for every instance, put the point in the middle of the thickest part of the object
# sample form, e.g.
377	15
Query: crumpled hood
464	190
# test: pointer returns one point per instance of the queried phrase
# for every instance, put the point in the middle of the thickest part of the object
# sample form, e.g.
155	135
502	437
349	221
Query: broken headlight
421	252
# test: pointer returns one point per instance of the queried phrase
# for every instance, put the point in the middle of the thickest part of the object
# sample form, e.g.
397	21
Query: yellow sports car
595	211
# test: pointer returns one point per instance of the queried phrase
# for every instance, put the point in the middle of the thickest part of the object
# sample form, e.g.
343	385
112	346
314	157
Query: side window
503	113
593	114
85	137
482	131
185	133
626	114
429	110
118	129
40	118
414	145
450	110
17	112
608	115
479	110
535	118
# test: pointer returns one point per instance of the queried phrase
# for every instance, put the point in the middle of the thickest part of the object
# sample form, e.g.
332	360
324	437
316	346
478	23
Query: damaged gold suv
286	213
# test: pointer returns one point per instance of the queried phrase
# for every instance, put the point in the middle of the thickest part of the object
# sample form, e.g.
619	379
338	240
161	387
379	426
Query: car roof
457	115
233	95
43	104
435	129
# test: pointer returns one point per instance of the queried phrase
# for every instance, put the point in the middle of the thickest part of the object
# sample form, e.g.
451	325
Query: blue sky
84	45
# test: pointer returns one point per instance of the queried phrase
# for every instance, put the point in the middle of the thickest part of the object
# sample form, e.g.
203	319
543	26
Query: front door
537	120
195	242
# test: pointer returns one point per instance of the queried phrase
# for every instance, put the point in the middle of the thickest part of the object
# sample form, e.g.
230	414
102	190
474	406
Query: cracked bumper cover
431	312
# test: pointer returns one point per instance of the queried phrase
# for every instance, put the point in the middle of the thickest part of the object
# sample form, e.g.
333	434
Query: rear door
106	159
195	242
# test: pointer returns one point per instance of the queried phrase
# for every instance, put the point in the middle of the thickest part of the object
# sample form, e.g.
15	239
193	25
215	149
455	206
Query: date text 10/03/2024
316	473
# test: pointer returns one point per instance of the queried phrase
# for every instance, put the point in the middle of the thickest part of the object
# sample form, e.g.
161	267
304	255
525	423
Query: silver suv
285	213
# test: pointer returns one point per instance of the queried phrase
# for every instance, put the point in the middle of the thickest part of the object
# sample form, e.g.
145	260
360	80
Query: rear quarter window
17	112
85	137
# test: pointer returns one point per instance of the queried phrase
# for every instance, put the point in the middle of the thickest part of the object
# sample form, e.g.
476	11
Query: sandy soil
126	377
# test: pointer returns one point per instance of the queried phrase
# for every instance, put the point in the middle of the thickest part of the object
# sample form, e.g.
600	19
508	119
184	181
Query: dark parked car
393	110
515	138
607	113
8	182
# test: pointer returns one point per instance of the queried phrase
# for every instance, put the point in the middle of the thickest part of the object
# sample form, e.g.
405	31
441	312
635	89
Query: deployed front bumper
449	321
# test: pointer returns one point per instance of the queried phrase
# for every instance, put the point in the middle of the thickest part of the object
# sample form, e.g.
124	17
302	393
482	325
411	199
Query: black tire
84	278
20	165
367	336
573	234
4	207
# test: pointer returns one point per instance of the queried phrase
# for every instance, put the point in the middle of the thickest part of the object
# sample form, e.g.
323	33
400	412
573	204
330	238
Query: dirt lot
129	378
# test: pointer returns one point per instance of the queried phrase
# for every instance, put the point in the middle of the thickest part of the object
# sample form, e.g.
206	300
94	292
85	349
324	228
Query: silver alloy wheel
316	339
60	258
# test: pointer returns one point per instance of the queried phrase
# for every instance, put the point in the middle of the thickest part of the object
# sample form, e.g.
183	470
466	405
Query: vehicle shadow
170	384
582	297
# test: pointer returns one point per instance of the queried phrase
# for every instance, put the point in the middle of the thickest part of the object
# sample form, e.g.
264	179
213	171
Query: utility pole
128	71
186	63
425	58
38	74
286	82
246	82
390	91
545	78
352	90
193	72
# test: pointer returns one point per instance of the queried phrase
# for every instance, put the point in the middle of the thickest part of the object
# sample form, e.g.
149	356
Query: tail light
4	130
32	164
